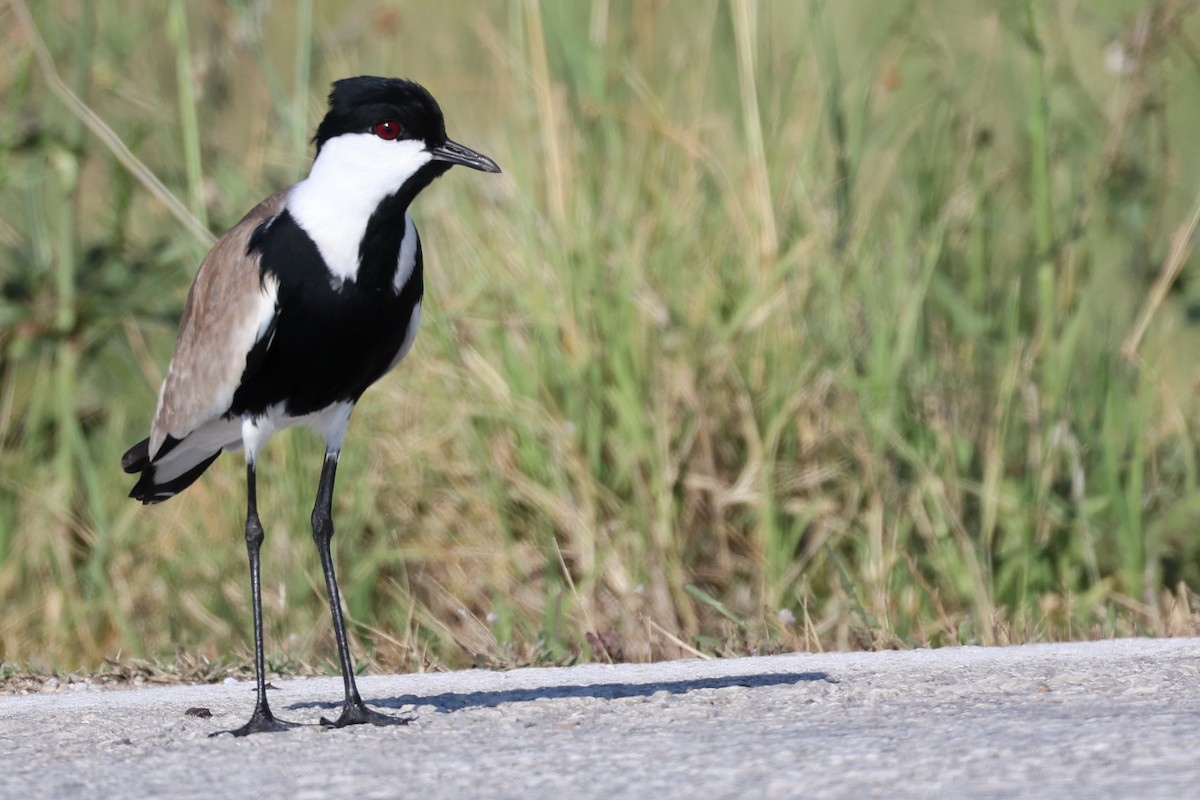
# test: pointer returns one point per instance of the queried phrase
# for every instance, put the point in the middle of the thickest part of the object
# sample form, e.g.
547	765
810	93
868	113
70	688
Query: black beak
455	153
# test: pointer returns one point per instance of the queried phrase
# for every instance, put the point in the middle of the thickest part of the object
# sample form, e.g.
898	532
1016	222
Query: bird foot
262	721
358	714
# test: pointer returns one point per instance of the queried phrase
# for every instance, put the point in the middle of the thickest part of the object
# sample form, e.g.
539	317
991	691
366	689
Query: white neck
349	179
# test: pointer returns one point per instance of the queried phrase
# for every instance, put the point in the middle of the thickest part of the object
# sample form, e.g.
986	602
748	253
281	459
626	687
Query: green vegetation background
788	325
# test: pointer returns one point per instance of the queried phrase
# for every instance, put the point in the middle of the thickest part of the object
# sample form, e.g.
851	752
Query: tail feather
149	491
178	462
136	458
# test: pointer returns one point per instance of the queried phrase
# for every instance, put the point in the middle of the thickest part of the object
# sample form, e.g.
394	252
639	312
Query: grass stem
177	26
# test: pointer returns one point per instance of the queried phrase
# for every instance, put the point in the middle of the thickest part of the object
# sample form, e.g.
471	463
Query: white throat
349	179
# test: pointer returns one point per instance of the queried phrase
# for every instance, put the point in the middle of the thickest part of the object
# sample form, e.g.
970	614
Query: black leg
262	720
354	711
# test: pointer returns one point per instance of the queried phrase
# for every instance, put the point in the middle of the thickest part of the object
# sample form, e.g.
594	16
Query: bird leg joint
254	532
322	525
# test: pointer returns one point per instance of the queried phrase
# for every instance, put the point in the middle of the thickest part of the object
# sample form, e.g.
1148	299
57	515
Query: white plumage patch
408	254
330	422
410	335
349	179
268	306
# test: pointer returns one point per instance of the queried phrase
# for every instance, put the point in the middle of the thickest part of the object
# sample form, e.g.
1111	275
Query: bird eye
388	129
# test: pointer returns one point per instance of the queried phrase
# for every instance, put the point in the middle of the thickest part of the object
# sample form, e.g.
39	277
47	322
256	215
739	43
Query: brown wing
228	308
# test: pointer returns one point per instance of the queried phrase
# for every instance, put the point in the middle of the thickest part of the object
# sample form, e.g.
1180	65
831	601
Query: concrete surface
1115	719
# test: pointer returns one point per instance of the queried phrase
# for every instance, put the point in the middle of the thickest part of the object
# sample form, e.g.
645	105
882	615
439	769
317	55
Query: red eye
388	129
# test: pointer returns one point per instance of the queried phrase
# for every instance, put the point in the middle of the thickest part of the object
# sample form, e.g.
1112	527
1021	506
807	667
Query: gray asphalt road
1117	719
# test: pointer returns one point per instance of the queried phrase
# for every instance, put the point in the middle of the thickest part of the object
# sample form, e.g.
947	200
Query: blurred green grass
788	325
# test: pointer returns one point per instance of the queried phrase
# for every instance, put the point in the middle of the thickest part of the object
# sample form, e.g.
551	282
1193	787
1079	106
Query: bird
305	303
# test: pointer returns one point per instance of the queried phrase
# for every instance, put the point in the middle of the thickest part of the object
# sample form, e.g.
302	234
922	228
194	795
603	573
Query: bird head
389	131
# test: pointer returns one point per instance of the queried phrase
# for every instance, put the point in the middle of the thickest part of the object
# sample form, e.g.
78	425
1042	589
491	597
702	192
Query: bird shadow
457	701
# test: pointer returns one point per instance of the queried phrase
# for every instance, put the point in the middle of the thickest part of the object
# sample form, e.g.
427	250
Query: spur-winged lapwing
306	302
